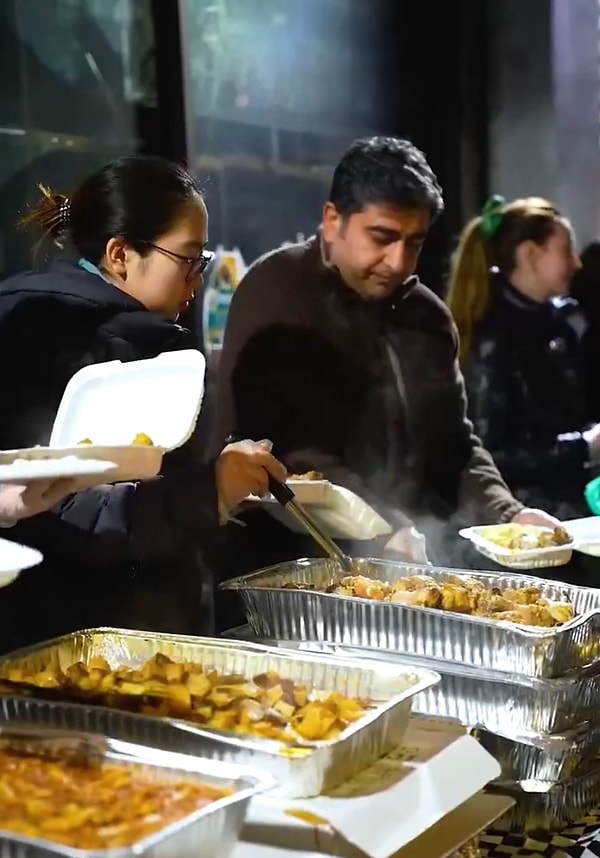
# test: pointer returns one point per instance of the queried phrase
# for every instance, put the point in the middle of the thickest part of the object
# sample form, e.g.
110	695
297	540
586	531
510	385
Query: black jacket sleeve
497	403
151	520
40	350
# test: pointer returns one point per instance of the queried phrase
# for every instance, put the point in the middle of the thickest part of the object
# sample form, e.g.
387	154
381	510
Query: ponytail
469	291
51	215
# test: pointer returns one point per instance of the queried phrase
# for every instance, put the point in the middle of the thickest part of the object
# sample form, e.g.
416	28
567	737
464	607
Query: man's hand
537	517
409	545
28	499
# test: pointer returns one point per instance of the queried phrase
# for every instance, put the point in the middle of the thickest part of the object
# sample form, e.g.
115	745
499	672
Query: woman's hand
243	469
28	499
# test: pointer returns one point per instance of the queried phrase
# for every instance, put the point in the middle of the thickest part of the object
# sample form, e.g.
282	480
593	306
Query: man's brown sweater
368	393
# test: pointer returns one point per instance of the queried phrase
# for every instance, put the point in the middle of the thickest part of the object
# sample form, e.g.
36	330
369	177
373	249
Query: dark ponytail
50	215
136	198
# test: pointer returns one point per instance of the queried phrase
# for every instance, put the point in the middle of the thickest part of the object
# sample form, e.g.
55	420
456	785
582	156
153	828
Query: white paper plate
341	513
14	558
133	462
26	469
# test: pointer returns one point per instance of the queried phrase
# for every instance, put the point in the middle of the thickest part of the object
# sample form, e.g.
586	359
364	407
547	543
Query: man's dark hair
384	170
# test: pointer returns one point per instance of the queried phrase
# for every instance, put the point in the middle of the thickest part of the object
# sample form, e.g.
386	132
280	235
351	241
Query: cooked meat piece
415	582
426	597
522	595
457	599
469	584
489	602
561	612
365	588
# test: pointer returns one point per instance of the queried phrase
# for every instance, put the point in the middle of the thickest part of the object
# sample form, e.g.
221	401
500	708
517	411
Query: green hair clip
491	215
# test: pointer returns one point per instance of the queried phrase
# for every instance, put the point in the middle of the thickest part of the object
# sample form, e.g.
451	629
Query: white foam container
532	558
586	533
110	403
14	558
341	513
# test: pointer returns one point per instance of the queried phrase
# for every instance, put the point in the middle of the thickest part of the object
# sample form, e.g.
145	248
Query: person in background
585	289
521	354
336	351
126	554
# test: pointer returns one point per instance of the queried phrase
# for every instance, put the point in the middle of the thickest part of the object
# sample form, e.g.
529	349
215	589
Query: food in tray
520	537
522	605
140	439
308	477
266	705
91	805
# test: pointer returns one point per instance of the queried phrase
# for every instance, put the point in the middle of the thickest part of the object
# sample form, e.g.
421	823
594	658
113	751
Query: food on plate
521	537
91	805
267	705
522	605
308	477
141	438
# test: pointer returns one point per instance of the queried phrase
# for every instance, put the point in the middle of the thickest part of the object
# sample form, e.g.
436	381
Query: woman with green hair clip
521	353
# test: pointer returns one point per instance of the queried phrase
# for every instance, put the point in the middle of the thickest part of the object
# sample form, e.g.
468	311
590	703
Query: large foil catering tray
553	808
501	702
540	760
277	611
217	826
300	771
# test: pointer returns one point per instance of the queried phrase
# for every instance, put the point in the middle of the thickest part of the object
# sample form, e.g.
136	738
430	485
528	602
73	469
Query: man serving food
337	352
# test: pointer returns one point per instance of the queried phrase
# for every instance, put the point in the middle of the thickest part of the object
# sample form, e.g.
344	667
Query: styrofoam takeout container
586	533
531	558
110	403
341	513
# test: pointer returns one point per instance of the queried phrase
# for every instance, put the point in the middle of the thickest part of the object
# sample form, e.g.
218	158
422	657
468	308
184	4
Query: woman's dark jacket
125	554
527	398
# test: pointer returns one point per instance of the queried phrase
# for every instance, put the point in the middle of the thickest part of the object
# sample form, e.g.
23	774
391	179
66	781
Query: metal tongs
286	497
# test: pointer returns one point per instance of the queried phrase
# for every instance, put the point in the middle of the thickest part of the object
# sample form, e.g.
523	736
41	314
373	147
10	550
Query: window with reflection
73	73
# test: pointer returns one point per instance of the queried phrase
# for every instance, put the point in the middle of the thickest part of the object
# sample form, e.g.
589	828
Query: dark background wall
280	89
275	91
501	94
544	88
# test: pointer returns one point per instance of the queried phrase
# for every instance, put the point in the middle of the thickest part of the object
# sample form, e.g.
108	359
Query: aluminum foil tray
216	827
500	702
541	759
300	772
277	611
567	802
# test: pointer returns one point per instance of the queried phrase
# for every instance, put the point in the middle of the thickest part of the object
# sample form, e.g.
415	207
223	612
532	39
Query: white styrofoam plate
110	403
24	469
586	533
341	513
14	558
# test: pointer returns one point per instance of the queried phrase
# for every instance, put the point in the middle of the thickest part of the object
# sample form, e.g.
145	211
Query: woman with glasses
122	555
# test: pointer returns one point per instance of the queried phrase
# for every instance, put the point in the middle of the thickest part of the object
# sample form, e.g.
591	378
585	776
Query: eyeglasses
197	264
